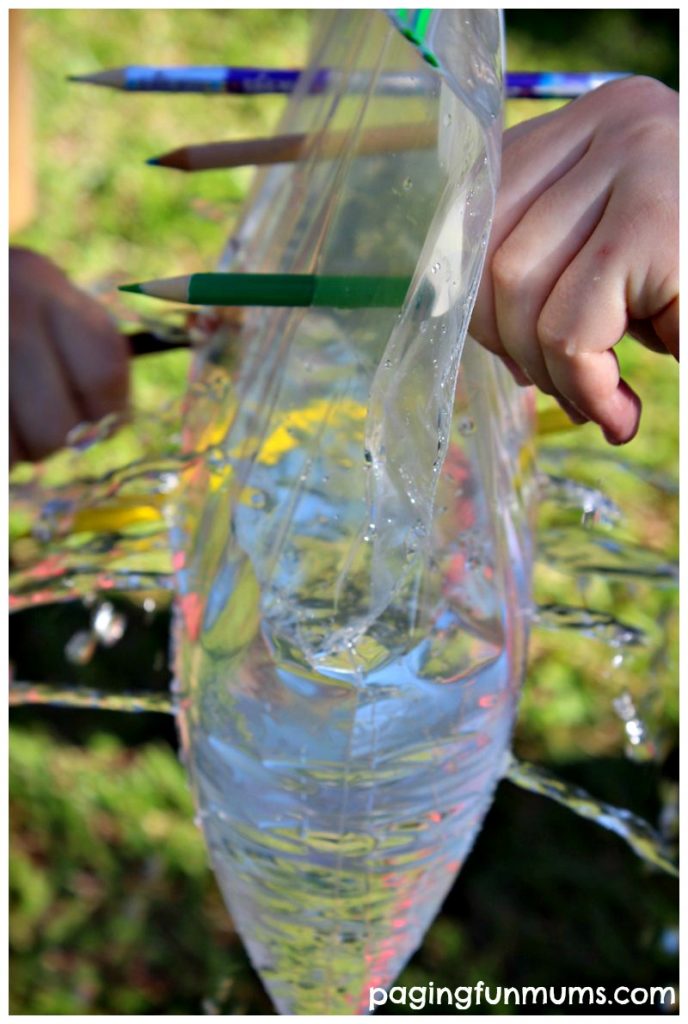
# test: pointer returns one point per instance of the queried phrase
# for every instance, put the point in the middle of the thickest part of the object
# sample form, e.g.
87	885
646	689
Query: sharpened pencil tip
136	288
154	161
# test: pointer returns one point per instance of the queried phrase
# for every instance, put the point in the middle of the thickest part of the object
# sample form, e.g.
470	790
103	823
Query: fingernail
624	410
612	438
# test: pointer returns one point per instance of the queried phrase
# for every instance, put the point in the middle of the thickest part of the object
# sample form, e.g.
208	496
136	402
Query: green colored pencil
353	292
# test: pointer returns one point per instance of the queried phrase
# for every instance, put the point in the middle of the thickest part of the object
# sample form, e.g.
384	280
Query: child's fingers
592	382
525	177
17	452
42	406
94	354
531	260
665	327
583	318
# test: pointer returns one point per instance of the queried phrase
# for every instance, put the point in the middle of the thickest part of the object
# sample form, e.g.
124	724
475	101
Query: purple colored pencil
556	85
248	81
252	81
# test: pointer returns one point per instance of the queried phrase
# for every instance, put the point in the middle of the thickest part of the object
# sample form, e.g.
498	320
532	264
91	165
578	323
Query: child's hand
585	247
67	362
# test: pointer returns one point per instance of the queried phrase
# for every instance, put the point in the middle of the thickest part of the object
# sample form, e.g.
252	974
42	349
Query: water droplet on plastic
80	648
217	459
167	482
108	624
407	184
639	745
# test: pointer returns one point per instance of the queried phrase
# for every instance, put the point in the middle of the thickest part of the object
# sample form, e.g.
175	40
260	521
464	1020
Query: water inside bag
352	611
351	522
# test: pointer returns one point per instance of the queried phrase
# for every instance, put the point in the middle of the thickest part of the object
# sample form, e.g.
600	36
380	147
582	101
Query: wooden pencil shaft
291	148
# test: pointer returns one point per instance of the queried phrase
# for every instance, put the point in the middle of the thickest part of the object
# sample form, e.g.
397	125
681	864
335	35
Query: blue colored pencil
246	81
556	85
251	81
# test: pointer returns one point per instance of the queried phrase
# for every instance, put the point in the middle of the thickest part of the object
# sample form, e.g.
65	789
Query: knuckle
551	337
507	271
648	116
642	93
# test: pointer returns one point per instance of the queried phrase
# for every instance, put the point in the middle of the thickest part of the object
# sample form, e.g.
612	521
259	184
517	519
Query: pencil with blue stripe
261	81
249	81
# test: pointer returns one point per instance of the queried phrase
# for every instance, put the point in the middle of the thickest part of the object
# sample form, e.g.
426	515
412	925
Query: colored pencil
279	149
350	292
556	85
420	25
255	81
145	343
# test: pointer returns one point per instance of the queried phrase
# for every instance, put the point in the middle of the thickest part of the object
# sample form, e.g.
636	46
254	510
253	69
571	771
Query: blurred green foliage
113	907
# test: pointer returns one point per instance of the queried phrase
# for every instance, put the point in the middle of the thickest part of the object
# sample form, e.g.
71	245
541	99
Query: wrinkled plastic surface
353	559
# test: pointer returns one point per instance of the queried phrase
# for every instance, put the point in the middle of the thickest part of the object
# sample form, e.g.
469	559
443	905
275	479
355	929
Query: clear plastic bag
353	555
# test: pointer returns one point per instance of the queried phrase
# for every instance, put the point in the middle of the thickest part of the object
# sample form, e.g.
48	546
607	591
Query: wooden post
21	173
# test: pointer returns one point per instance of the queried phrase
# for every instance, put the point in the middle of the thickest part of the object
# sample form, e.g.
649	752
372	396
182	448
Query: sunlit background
113	907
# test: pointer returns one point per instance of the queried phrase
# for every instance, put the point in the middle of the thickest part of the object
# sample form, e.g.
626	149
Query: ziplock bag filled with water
353	553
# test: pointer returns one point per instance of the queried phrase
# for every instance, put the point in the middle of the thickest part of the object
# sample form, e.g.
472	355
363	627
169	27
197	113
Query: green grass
102	211
113	908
